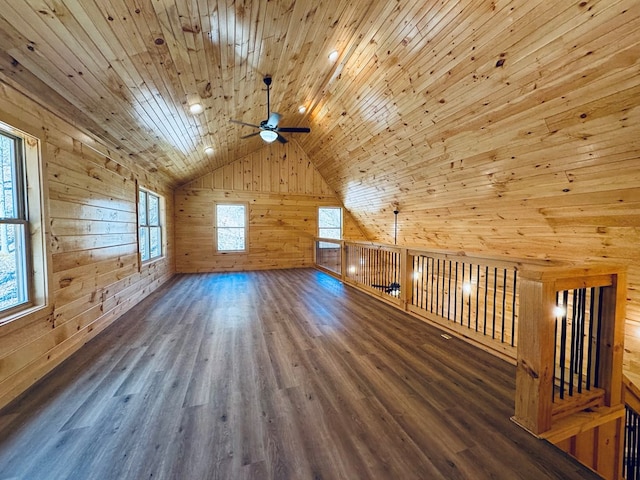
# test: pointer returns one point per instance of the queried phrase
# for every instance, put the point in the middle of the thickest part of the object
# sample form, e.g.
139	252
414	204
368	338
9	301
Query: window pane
330	218
329	233
13	269
231	239
144	243
230	216
9	193
155	240
154	209
142	208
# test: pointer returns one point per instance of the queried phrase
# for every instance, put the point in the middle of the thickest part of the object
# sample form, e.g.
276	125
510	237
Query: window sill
147	263
26	314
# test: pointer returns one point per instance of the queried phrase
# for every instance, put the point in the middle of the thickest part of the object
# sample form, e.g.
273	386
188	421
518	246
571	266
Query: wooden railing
475	297
328	255
553	365
375	268
562	326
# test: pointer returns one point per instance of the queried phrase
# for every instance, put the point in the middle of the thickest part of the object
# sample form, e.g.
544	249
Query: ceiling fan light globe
268	135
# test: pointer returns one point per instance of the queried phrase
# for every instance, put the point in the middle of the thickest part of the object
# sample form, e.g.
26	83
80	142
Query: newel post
535	360
612	344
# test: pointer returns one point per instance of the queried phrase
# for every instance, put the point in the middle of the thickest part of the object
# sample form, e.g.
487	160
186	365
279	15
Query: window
231	227
14	249
330	222
22	237
149	225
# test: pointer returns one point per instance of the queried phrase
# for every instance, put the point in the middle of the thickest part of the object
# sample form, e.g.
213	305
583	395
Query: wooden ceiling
435	106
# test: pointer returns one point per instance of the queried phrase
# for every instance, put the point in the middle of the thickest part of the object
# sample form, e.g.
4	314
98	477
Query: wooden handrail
593	402
537	339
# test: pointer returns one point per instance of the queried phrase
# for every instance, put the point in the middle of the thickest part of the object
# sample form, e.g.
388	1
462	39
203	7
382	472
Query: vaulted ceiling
454	110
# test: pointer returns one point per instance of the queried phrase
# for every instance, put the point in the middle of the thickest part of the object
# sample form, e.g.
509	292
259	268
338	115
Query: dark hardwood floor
273	375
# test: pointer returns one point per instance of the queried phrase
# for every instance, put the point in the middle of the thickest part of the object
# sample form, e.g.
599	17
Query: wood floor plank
273	375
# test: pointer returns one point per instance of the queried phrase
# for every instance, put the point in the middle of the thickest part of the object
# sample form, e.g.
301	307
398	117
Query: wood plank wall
283	190
94	273
523	140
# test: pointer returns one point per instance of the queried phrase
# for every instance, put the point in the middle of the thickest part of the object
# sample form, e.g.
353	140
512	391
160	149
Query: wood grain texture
320	381
507	127
283	191
95	275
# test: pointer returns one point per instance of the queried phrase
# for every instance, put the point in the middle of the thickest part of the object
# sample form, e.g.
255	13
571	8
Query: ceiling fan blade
251	135
272	121
244	123
281	139
293	129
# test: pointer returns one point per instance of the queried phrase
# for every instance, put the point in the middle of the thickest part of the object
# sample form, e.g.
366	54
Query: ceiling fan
269	130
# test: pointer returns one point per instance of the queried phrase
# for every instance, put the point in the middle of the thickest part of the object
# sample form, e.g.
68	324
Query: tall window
23	259
14	240
231	227
330	222
149	225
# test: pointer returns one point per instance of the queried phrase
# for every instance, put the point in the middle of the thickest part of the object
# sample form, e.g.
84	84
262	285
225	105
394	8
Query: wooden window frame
147	227
330	228
30	216
245	205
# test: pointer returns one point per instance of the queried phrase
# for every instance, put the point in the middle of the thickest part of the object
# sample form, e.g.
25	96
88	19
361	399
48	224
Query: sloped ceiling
452	111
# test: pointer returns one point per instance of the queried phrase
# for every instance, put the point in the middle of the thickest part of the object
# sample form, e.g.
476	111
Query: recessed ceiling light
209	150
196	108
302	109
333	56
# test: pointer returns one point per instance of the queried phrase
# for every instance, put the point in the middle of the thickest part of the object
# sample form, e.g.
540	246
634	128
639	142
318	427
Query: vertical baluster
449	291
495	292
381	278
426	271
392	270
513	308
486	293
455	295
396	268
470	283
590	345
444	270
373	275
477	294
504	302
563	344
462	296
378	269
572	359
433	261
437	281
417	281
582	310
